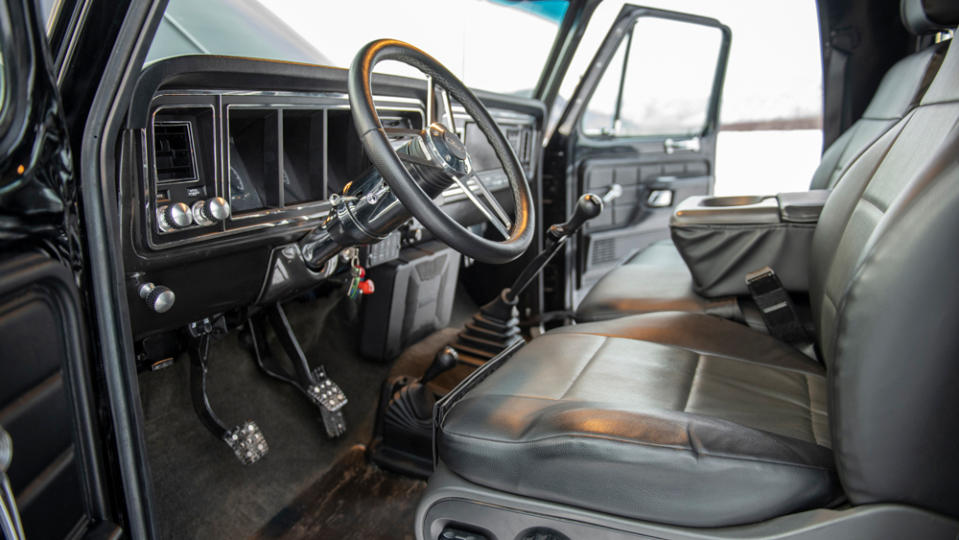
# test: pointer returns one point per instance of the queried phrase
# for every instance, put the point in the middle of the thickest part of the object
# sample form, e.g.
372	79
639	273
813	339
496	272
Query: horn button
447	145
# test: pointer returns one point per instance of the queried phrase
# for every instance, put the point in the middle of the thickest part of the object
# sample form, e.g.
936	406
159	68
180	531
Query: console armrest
724	238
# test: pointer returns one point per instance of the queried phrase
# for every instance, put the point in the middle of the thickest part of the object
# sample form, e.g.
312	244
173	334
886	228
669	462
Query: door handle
614	191
688	145
9	516
660	198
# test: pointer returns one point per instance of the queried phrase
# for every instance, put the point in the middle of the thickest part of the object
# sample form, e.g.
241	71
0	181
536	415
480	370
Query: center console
724	238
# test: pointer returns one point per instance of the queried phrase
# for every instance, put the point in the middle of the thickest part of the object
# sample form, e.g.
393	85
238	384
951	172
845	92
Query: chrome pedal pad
325	393
328	396
247	442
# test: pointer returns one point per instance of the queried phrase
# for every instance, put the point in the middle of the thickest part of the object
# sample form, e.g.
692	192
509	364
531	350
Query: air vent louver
173	144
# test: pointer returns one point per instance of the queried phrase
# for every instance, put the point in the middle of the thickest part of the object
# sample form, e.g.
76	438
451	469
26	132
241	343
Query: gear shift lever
496	326
444	361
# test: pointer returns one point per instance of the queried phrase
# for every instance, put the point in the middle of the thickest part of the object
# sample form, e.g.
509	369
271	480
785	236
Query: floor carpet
200	490
354	500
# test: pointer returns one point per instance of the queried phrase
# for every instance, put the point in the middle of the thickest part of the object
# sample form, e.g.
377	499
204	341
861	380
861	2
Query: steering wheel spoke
434	90
448	110
488	195
491	209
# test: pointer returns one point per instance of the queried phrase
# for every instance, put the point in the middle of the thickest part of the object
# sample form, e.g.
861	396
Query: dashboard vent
173	143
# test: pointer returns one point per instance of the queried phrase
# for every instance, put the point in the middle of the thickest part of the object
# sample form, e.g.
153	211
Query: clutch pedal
247	442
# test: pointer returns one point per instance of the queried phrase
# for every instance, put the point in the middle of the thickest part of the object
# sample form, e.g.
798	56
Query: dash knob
157	297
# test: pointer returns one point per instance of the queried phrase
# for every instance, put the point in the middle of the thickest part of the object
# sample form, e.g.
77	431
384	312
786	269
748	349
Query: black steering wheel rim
380	151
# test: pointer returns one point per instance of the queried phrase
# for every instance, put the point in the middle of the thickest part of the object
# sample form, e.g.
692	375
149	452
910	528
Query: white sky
453	31
774	66
774	69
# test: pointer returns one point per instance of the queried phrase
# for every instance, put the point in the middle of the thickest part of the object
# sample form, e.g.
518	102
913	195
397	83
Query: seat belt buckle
775	306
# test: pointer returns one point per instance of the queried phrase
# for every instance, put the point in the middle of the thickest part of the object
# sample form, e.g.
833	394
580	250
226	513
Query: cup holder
744	200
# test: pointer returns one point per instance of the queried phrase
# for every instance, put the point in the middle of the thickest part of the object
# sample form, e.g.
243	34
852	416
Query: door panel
40	332
640	131
640	215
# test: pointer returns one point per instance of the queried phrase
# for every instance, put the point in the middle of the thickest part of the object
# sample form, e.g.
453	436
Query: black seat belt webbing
775	306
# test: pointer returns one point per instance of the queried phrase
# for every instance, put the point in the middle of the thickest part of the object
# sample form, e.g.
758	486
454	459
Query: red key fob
366	286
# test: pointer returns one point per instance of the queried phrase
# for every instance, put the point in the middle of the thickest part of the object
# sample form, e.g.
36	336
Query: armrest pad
802	206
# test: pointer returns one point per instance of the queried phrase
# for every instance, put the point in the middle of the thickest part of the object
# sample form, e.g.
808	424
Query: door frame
560	169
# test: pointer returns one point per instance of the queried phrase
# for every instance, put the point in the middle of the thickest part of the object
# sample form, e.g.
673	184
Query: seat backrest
899	91
884	285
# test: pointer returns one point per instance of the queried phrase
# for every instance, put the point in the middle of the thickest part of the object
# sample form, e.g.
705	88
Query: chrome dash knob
174	216
157	297
211	211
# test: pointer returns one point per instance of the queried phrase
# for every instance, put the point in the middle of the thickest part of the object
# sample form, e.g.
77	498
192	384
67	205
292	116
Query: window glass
490	44
662	87
770	119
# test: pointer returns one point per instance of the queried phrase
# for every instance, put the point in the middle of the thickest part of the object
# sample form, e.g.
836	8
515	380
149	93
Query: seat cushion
711	426
656	279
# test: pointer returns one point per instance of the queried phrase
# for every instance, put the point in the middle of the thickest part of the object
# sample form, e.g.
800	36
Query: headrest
928	16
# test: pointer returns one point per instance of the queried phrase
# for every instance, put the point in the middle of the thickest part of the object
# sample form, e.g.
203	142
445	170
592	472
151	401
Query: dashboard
227	162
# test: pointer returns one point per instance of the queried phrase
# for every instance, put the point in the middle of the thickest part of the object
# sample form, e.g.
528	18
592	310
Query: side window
659	82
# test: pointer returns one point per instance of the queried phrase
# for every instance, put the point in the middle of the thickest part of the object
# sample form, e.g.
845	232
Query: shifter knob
587	207
445	360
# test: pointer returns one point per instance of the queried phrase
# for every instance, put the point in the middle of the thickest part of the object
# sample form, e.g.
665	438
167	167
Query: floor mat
354	500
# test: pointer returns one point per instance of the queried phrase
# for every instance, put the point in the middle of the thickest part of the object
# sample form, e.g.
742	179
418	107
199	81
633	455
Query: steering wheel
446	156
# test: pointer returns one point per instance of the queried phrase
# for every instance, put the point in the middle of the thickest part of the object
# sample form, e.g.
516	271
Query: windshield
497	45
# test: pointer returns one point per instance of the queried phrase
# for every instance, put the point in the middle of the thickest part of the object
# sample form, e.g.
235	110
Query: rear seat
657	279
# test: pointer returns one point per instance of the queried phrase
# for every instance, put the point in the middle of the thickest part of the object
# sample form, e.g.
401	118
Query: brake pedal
328	396
247	442
314	383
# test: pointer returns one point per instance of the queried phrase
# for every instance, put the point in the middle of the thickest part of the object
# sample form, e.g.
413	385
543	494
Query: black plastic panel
413	298
43	371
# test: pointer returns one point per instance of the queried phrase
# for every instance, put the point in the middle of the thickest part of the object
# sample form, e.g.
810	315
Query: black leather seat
657	279
693	420
638	420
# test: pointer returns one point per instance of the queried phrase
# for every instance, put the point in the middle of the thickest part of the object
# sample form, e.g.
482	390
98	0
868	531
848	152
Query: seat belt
836	119
776	307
